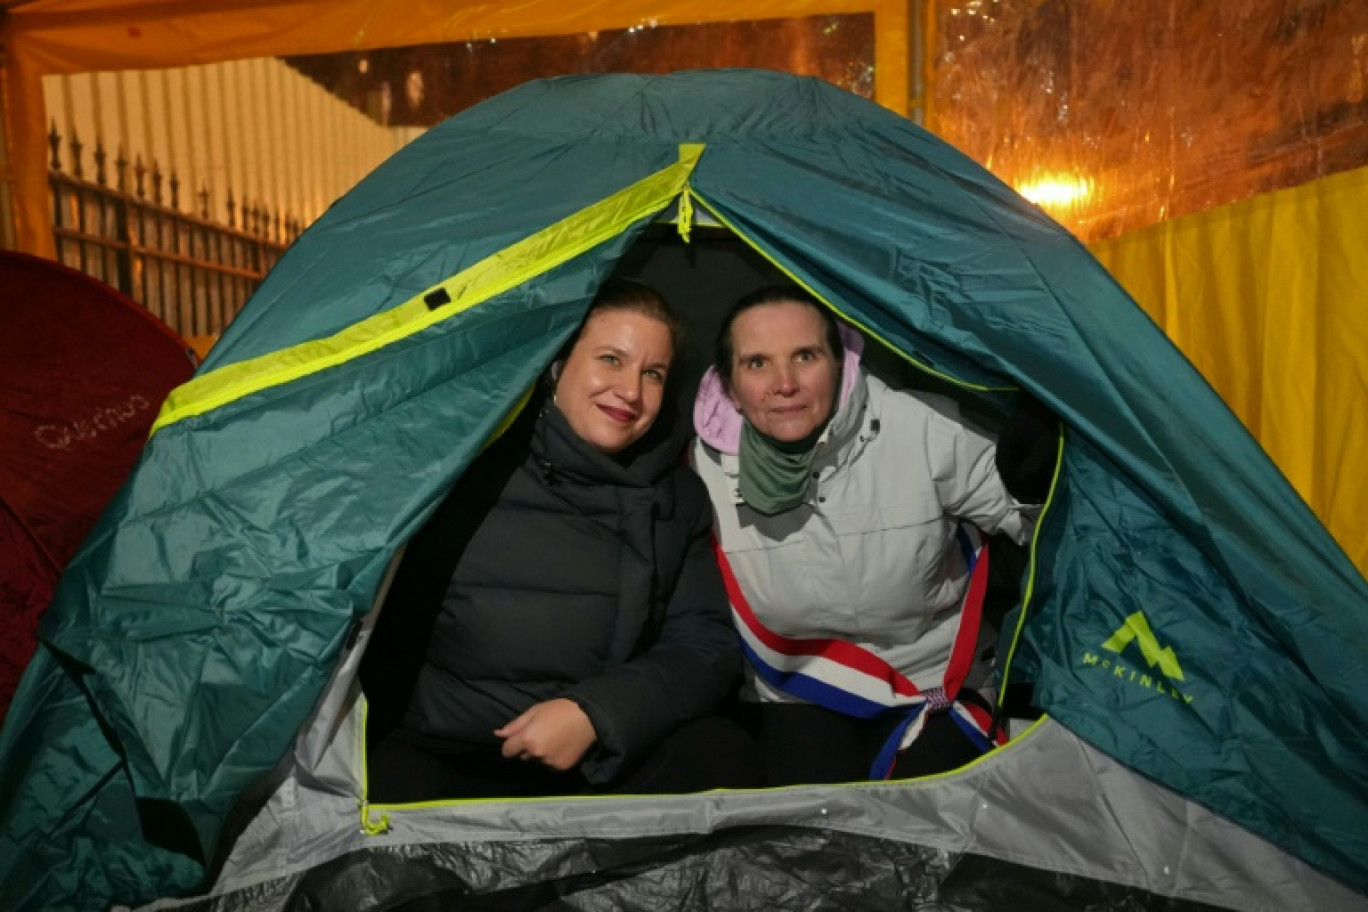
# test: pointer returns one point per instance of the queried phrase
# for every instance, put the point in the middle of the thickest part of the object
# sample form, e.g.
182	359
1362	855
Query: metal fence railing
192	272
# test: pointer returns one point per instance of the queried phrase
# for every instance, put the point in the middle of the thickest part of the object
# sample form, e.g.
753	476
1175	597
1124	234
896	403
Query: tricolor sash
849	679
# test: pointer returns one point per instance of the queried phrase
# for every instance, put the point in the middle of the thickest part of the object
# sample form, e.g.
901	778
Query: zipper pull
685	219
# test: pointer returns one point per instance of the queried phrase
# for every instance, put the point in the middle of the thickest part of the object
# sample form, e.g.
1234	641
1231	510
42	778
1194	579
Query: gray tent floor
1048	823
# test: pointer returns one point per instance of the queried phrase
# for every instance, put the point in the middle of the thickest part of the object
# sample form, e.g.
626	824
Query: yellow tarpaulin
1269	299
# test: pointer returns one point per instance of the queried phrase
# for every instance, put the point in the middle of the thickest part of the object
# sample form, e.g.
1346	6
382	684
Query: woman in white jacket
847	516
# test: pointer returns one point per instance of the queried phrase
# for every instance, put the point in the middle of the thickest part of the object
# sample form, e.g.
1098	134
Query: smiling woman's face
783	372
613	382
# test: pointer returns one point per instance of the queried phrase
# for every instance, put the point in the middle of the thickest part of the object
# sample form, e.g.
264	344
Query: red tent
83	371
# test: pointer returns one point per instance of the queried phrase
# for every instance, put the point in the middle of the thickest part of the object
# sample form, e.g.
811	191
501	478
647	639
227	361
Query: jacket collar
559	450
845	436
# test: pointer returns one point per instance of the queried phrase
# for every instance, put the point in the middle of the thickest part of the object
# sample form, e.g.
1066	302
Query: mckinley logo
1137	629
1161	672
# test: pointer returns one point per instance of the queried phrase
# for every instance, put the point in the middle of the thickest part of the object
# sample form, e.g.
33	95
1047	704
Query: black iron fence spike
55	143
75	146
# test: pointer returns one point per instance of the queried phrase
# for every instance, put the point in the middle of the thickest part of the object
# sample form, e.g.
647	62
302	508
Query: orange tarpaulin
71	36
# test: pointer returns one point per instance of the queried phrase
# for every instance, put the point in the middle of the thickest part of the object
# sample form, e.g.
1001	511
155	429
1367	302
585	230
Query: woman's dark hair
629	295
772	294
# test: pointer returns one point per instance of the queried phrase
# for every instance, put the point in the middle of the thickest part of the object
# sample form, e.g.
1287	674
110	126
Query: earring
555	372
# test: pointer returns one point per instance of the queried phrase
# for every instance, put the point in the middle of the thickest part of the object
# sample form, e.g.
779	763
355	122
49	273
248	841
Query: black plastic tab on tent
436	298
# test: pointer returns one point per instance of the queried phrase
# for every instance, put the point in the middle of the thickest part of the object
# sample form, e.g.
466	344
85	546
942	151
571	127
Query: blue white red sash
849	679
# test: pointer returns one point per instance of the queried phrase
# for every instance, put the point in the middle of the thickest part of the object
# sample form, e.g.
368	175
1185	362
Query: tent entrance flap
701	277
531	257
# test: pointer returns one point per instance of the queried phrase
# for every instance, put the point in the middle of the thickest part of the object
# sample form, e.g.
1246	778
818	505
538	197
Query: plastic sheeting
758	868
1046	824
420	86
1120	115
73	36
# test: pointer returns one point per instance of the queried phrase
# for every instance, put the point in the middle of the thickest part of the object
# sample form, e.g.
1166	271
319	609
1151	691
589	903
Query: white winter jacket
870	555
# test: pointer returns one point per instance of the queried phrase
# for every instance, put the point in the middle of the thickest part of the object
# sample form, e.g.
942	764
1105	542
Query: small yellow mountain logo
1162	674
1136	628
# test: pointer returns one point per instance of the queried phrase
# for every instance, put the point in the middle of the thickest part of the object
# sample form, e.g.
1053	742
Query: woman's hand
556	732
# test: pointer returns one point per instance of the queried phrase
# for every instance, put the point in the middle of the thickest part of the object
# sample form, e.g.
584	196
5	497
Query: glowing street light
1056	193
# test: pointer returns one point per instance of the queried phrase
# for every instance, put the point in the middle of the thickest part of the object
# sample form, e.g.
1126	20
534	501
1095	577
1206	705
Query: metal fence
191	271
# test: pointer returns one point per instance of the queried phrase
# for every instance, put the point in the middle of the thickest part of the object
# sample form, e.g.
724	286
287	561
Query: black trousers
707	753
802	743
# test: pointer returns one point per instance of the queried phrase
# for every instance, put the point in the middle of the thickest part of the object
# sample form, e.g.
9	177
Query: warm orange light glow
1053	193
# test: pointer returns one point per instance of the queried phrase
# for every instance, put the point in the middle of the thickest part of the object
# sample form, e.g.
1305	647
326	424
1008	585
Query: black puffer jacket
576	575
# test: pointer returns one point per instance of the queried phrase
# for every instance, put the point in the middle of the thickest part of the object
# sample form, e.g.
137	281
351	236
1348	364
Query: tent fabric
1187	613
83	370
1263	297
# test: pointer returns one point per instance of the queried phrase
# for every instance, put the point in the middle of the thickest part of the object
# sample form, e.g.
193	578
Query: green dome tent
1195	637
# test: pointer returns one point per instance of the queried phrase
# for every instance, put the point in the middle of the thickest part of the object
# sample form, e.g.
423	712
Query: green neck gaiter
774	475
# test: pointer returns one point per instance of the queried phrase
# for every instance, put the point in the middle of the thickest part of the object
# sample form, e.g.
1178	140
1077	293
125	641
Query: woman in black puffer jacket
559	626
